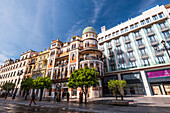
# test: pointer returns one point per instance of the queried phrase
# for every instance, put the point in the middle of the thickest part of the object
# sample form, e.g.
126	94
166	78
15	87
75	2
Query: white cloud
98	4
75	30
145	4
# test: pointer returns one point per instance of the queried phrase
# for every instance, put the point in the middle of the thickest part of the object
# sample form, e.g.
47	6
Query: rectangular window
149	29
148	20
109	35
130	55
126	37
106	37
122	30
161	15
162	25
136	25
126	29
117	41
132	27
143	52
139	42
109	43
137	33
145	62
117	32
160	59
152	38
155	17
142	22
166	34
128	45
113	34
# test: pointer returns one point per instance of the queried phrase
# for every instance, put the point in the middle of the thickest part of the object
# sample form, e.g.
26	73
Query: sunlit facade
130	54
64	58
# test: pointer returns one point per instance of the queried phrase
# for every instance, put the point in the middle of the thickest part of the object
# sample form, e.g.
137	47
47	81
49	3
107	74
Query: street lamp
20	73
163	43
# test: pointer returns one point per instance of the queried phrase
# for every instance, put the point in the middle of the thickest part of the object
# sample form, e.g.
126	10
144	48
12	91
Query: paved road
20	106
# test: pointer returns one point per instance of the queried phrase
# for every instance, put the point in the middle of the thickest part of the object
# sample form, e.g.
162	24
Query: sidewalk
138	100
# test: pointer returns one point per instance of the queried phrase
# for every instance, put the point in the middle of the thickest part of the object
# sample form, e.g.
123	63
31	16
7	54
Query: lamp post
163	43
20	73
166	49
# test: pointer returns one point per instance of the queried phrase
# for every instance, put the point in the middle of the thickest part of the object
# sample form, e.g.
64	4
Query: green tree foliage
113	86
41	83
27	84
8	86
117	87
83	78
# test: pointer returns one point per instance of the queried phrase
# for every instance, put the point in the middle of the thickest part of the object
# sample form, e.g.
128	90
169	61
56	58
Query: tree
122	87
8	86
116	87
83	78
41	83
27	84
113	86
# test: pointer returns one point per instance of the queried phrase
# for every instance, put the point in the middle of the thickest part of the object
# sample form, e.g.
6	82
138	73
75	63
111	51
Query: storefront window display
159	81
134	83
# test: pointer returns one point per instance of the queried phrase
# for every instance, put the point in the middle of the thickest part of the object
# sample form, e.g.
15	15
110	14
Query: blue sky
33	24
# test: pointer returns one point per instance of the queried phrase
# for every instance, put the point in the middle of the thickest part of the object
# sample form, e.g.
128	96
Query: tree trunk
86	91
41	93
6	94
116	97
121	97
85	98
26	94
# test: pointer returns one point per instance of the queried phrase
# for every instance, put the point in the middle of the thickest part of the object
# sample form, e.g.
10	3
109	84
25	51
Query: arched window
51	62
71	70
73	57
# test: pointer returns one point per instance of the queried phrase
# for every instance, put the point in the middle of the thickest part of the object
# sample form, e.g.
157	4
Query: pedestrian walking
68	94
33	99
130	91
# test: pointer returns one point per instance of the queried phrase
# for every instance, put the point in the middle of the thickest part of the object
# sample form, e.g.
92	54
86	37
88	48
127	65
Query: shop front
106	91
159	81
134	84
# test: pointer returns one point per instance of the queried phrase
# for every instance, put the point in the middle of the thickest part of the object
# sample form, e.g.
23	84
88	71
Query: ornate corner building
64	58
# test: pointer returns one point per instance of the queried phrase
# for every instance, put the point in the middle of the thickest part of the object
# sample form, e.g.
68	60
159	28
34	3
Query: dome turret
89	29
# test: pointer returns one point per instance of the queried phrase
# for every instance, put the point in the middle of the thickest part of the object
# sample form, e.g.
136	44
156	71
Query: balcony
164	28
149	33
138	37
111	54
144	56
118	43
119	52
141	45
132	58
102	48
127	41
121	60
159	53
112	62
167	38
154	42
89	58
129	49
109	46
